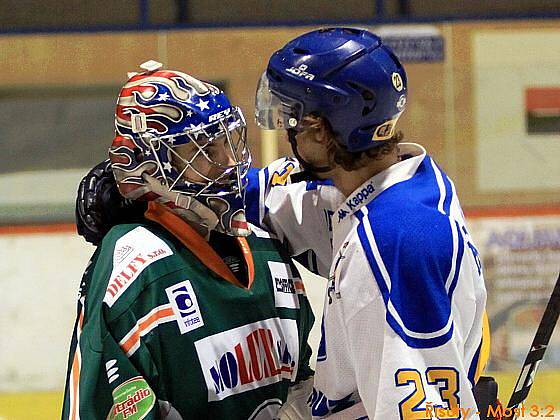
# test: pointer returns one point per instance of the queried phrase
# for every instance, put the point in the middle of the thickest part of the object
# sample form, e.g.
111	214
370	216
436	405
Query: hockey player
186	313
402	326
404	312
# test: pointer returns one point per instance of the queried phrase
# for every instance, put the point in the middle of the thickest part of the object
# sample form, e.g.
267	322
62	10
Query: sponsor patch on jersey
132	399
286	286
140	248
249	357
185	306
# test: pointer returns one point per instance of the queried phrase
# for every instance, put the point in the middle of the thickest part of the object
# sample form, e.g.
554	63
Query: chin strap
306	165
188	207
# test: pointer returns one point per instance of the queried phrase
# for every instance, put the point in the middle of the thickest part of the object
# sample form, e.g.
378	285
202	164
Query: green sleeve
102	382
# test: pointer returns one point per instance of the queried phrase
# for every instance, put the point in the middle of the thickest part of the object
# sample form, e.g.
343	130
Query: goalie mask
181	143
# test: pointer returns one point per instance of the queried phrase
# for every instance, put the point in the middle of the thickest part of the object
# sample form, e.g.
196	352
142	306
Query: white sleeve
296	210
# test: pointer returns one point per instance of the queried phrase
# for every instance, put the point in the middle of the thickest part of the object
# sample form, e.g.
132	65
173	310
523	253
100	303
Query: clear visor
273	111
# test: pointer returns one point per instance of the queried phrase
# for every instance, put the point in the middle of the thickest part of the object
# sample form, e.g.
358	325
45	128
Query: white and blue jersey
404	309
403	316
282	199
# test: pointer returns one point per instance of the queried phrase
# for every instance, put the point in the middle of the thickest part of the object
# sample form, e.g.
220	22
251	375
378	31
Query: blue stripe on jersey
252	197
409	245
458	260
448	194
321	405
312	185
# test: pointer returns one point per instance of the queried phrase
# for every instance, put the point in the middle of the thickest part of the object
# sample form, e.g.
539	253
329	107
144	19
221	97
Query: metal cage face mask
168	128
218	161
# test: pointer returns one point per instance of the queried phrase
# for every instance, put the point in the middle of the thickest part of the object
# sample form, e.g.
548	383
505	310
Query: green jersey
163	326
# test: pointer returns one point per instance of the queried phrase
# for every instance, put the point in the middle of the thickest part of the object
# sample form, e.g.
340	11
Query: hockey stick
536	353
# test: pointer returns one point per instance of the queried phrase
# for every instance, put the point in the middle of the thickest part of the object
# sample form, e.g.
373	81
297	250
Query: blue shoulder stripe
458	259
445	188
418	306
252	197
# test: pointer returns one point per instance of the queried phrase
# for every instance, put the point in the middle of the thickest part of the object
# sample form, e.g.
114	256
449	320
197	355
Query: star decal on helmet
202	105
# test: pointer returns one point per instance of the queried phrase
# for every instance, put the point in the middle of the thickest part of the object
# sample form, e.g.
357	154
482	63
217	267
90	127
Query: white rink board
39	279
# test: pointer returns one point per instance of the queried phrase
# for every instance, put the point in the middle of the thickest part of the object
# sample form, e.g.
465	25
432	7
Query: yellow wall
440	112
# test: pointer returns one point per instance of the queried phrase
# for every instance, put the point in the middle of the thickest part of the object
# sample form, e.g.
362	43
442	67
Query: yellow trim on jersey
484	348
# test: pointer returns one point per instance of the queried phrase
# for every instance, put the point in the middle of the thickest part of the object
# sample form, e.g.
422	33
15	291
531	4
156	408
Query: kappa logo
185	306
249	357
149	249
358	198
301	71
342	214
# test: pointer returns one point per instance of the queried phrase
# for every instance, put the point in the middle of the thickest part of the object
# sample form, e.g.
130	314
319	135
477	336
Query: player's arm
285	201
296	407
102	381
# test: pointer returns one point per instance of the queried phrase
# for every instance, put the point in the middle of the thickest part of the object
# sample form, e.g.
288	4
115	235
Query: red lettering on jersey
266	336
245	376
253	345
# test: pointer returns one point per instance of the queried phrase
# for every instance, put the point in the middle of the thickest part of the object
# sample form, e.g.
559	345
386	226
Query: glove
100	206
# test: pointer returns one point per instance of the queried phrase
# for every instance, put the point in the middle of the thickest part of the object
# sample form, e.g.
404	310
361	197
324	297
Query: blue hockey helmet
160	111
346	75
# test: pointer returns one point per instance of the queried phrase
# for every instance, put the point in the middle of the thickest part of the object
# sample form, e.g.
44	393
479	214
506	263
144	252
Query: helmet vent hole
366	110
367	94
300	51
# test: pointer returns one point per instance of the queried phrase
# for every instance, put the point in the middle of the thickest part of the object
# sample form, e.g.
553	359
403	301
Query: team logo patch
397	81
249	357
130	260
286	286
385	130
133	400
185	306
280	177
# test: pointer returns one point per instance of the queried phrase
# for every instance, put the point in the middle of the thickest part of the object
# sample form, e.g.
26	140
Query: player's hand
100	206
